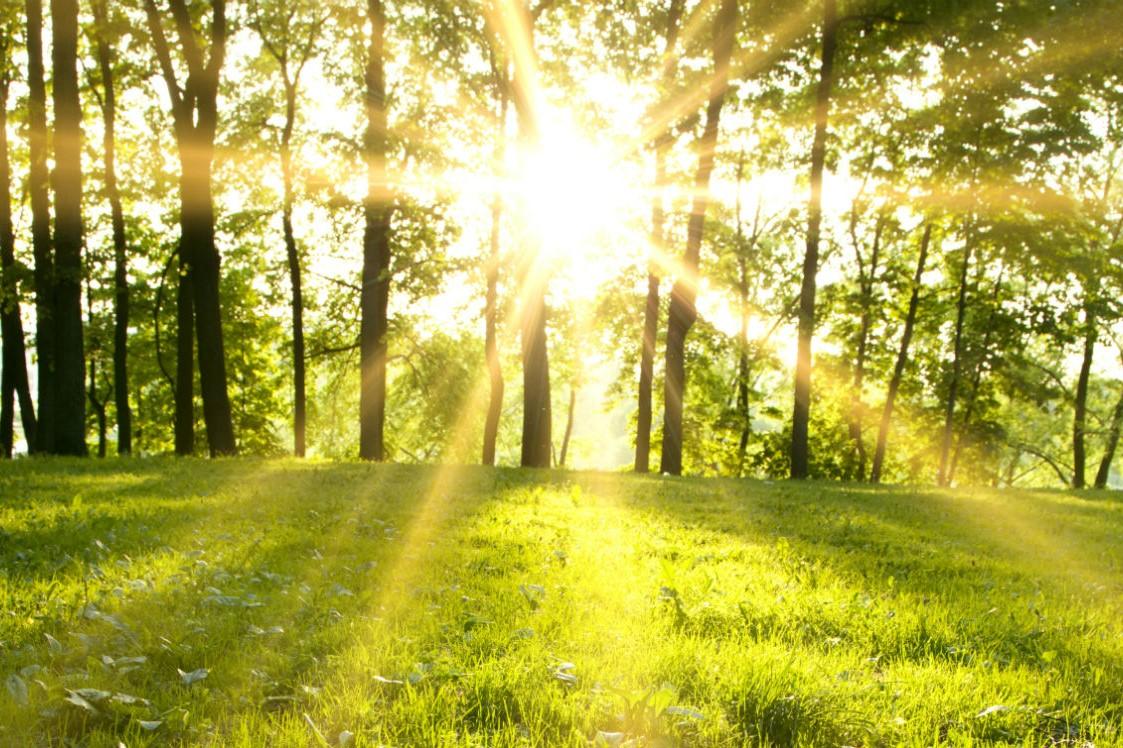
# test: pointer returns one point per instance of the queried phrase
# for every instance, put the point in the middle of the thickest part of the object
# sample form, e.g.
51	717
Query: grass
251	603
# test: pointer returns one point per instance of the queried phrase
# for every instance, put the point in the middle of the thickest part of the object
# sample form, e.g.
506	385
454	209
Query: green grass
410	606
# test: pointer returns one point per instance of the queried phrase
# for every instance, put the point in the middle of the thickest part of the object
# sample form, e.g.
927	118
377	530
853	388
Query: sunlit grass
393	605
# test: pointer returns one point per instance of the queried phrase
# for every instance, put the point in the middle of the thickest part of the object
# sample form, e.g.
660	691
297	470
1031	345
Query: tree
902	357
661	143
802	411
682	312
377	210
195	118
13	380
69	375
106	65
290	33
39	196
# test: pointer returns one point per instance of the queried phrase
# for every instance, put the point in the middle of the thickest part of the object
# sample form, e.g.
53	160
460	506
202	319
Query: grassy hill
253	603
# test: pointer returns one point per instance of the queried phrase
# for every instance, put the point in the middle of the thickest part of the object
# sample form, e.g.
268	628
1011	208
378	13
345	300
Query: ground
254	603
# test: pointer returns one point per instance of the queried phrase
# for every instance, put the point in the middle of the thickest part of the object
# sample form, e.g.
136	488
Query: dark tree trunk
661	145
98	406
537	438
195	113
857	408
743	363
491	303
537	413
956	365
13	381
70	380
1112	443
801	413
1080	417
375	295
184	364
299	402
682	310
902	359
39	194
976	379
568	426
120	259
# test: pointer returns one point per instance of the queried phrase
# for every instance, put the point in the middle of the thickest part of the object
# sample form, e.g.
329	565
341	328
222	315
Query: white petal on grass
53	644
346	739
685	711
17	688
193	676
150	724
992	710
388	681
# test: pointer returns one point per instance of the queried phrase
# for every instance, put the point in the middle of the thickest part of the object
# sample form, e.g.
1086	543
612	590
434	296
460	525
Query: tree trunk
13	381
70	384
375	295
1079	421
568	426
976	379
661	145
682	310
39	195
195	113
956	366
491	304
299	403
743	362
1112	442
98	406
801	413
902	360
857	407
184	364
120	260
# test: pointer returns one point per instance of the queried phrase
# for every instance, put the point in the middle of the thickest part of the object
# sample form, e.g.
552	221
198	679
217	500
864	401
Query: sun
572	192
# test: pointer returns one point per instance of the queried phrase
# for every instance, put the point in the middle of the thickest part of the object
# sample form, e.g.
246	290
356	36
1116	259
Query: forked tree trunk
682	310
120	259
801	412
857	406
39	197
70	380
661	145
195	115
13	381
956	365
902	360
375	294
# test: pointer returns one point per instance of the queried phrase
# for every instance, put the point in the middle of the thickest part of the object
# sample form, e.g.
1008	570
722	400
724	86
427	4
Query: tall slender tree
801	413
38	188
902	358
107	67
290	33
661	143
195	120
69	357
682	310
13	380
377	208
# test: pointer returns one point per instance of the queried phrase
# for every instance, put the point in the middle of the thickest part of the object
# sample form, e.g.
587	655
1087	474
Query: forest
521	373
857	240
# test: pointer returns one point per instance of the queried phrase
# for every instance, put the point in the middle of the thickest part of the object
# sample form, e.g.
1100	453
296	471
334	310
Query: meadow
283	603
